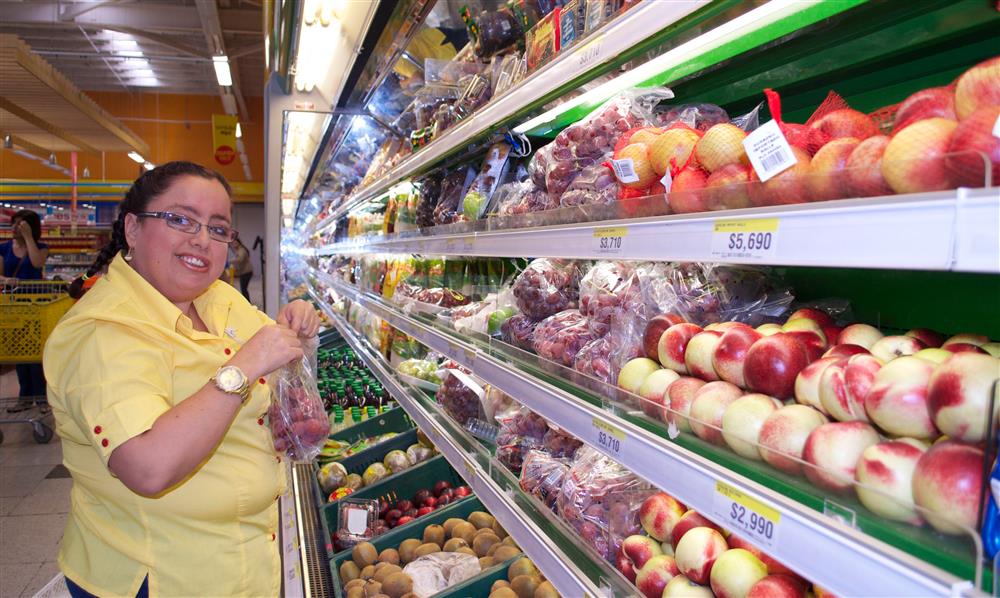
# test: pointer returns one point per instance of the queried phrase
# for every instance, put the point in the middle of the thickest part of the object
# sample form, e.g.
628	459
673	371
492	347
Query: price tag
609	437
769	151
590	53
625	170
752	238
667	181
845	515
470	471
357	521
609	241
747	516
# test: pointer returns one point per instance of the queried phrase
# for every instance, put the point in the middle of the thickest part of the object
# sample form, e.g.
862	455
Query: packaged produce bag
299	424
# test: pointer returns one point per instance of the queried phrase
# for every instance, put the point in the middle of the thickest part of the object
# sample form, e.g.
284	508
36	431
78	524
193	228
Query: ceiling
148	45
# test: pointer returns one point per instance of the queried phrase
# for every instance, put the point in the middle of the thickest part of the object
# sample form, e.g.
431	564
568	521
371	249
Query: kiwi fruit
485	562
468	551
349	571
454	544
364	554
397	584
379	565
381	596
483	543
546	590
406	549
389	555
425	549
481	519
382	574
356	592
409	595
503	593
355	583
373	587
522	566
449	525
434	534
505	553
493	549
368	572
524	585
465	531
498	529
509	541
500	583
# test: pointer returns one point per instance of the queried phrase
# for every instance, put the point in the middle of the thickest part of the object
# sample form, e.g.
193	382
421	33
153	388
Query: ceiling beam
163	40
163	18
41	123
69	14
31	147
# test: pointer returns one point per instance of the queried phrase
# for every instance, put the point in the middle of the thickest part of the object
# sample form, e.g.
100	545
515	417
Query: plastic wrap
595	184
542	476
299	424
430	191
594	359
697	116
453	188
523	198
429	100
438	571
521	430
517	330
561	336
559	443
496	31
477	200
497	404
547	287
461	396
606	288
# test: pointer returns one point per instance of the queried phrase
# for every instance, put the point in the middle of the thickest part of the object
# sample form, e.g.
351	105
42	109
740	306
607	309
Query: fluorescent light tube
222	72
239	131
136	157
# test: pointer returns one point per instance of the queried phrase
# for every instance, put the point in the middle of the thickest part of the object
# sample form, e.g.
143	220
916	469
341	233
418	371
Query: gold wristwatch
231	379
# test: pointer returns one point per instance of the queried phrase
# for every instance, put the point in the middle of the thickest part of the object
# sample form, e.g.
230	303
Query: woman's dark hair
144	190
33	221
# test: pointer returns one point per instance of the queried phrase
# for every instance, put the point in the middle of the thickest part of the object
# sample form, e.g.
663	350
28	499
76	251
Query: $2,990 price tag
609	241
750	239
751	518
609	437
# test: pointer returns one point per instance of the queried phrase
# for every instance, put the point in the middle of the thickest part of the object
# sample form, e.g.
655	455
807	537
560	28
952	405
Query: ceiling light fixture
239	131
136	157
149	166
222	72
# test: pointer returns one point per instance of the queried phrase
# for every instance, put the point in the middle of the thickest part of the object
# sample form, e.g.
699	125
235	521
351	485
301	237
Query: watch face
230	378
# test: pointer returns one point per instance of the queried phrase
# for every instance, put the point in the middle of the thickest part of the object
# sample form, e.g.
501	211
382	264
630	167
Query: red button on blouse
262	381
273	537
228	350
260	420
97	429
104	442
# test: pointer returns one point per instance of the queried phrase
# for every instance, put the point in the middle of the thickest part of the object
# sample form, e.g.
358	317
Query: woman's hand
301	317
24	229
272	347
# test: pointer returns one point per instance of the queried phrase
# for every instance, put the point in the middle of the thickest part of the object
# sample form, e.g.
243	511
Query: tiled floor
34	500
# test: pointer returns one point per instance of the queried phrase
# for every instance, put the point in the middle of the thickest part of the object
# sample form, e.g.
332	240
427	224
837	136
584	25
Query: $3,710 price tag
751	239
609	241
609	437
746	516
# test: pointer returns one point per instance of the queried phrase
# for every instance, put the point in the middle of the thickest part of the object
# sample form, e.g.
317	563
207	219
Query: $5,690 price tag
747	516
609	437
753	239
609	241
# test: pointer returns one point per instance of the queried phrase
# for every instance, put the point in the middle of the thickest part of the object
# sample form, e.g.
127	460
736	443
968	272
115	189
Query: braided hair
150	185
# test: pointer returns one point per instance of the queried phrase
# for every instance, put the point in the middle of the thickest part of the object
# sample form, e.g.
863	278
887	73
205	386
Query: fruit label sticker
357	521
609	241
625	170
608	437
754	238
751	518
768	150
667	181
466	357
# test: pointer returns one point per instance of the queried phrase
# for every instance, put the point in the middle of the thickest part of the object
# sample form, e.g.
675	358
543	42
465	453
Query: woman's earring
128	256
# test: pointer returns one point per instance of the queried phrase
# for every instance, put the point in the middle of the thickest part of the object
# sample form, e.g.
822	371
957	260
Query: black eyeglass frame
196	226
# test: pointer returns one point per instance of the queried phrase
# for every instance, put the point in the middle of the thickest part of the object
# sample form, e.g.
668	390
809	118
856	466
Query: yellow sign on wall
224	138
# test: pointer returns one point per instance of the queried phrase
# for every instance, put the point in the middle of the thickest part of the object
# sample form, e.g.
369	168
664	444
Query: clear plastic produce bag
542	476
299	424
547	287
608	287
517	330
561	336
461	396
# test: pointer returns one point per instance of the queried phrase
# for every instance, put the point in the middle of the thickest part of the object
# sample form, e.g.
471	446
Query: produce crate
357	463
475	586
393	420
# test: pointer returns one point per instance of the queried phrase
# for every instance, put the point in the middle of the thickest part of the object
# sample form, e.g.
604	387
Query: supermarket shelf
557	567
877	569
948	230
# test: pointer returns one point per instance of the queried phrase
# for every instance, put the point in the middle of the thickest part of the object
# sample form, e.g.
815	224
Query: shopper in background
242	268
156	383
24	259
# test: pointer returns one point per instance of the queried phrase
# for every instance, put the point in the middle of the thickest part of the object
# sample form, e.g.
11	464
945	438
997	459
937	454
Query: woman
242	268
24	259
156	380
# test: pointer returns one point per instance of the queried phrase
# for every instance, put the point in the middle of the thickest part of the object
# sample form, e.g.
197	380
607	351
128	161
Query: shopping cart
29	310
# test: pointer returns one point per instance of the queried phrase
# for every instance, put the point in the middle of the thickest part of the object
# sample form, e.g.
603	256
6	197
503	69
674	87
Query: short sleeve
121	385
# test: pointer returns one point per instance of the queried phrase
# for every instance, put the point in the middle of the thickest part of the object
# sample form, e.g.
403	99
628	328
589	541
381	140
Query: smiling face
179	265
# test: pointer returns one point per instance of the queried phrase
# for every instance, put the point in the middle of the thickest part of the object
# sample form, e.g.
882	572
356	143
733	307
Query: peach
624	565
697	552
653	577
772	565
948	483
786	187
862	335
768	329
681	394
959	395
778	586
926	103
814	342
673	345
784	434
966	338
682	587
708	408
659	514
933	355
897	400
928	337
863	169
962	348
720	145
688	522
654	330
742	421
807	382
634	373
826	170
773	362
820	317
735	572
913	161
978	87
699	353
885	480
991	348
653	390
804	325
731	353
888	348
844	386
846	123
639	549
846	351
834	450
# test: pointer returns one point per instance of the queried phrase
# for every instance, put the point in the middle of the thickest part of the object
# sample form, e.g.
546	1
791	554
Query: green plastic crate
393	420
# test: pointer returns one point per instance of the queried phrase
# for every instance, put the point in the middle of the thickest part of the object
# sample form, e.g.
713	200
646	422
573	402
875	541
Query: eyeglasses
186	224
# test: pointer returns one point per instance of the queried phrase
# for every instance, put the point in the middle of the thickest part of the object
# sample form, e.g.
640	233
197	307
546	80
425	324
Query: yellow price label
608	437
750	225
750	517
611	231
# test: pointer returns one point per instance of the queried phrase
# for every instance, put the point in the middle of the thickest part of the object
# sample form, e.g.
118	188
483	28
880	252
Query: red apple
735	572
654	330
653	577
885	479
424	510
888	348
697	552
653	391
928	337
639	549
786	187
913	161
404	520
778	586
807	382
708	408
846	351
742	421
731	352
681	394
462	491
688	522
826	170
862	335
784	434
773	362
978	87
687	193
673	345
658	515
682	587
846	122
833	450
430	501
404	505
926	103
959	395
897	400
699	353
863	169
727	188
820	317
844	386
948	482
721	145
441	486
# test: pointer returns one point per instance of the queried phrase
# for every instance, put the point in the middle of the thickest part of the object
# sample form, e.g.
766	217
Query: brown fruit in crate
372	587
546	590
482	544
465	531
493	549
406	549
525	585
397	585
355	583
356	592
434	534
383	574
503	593
481	519
468	551
379	565
505	553
449	526
485	562
349	571
484	531
368	572
509	541
364	554
498	529
522	566
425	549
500	583
389	555
454	544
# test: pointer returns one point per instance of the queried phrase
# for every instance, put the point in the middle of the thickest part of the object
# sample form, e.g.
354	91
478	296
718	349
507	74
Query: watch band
243	391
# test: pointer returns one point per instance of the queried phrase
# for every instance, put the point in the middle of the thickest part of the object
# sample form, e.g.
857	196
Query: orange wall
190	139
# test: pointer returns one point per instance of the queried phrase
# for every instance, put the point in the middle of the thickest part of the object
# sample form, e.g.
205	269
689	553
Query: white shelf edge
947	230
556	567
877	569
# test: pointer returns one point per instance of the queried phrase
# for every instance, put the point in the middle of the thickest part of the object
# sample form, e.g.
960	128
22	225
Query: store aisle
34	501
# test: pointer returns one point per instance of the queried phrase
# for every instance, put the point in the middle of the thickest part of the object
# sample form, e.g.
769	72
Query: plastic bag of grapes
298	421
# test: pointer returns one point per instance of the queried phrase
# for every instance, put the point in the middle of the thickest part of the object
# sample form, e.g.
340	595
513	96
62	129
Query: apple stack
855	414
685	554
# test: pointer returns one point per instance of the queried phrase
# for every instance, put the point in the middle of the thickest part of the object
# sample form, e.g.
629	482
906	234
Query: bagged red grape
697	116
298	421
547	287
561	336
542	476
607	288
524	198
520	430
517	331
595	184
560	444
461	396
594	359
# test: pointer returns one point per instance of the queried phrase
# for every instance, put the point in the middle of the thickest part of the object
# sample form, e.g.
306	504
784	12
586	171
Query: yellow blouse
121	357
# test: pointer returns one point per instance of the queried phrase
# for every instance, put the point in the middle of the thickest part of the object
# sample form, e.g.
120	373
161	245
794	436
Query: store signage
769	151
610	240
752	238
224	138
746	516
609	438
